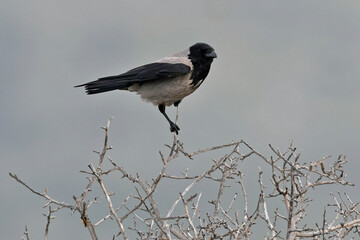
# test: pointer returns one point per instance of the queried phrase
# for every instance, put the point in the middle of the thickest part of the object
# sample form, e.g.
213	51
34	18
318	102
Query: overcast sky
285	70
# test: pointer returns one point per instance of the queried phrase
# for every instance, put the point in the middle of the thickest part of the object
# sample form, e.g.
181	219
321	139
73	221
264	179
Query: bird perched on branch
164	82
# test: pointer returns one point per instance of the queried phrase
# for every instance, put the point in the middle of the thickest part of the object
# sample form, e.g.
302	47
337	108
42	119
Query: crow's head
202	53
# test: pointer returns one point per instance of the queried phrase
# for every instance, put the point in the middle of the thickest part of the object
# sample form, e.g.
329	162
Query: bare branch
44	195
140	213
107	196
26	233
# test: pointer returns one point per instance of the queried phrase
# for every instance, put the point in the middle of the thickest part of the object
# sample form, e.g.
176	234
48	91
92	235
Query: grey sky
285	70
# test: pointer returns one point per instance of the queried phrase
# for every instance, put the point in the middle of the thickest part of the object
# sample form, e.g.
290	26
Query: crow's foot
174	128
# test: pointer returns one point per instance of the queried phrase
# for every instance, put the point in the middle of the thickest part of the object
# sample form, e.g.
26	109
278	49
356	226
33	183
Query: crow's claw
174	128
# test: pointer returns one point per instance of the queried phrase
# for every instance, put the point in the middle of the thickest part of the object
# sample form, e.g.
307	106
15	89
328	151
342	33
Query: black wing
148	72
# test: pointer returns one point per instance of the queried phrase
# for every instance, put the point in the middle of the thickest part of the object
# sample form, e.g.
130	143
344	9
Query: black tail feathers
103	85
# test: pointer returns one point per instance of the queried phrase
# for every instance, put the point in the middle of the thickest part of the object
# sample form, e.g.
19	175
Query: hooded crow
164	82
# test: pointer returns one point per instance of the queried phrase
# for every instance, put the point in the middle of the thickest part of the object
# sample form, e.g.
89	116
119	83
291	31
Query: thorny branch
26	233
234	215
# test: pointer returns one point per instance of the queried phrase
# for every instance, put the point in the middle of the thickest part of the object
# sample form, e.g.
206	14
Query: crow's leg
176	104
173	126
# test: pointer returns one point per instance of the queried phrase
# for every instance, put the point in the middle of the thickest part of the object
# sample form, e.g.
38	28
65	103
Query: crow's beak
211	55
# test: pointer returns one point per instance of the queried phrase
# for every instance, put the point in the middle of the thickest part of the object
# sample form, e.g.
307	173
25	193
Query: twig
107	196
26	233
44	195
48	219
